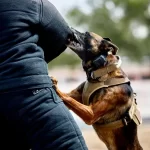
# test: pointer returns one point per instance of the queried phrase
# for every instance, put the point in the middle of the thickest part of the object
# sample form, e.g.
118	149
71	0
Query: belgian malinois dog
106	99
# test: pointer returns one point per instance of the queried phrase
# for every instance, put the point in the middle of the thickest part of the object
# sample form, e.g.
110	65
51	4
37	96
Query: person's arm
53	31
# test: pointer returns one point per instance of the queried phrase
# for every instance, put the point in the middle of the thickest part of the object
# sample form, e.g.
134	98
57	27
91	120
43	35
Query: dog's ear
108	46
108	39
113	48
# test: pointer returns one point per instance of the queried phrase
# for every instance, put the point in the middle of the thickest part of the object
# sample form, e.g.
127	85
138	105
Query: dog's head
89	45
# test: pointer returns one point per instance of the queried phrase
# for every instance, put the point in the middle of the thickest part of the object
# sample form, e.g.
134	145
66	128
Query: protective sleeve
53	31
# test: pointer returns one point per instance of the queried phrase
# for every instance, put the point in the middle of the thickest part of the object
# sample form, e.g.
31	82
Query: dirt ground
94	143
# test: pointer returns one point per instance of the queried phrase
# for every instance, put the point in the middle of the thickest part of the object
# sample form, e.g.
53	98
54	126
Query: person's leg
11	139
44	118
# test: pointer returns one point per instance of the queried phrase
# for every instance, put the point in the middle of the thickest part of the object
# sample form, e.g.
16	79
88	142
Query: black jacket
32	33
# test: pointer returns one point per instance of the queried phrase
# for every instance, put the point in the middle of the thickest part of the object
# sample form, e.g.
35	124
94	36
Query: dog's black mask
76	42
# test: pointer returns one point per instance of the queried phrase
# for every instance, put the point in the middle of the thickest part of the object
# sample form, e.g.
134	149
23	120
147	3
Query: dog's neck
111	70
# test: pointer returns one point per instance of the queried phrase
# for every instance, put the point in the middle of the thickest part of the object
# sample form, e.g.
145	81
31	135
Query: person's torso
22	63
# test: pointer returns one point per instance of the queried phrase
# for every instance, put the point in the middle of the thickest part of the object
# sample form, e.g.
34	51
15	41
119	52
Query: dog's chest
90	87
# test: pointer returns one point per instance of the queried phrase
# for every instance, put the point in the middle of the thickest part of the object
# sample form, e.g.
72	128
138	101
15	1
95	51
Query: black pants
37	119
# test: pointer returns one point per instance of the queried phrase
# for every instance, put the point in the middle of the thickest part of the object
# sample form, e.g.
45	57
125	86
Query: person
32	116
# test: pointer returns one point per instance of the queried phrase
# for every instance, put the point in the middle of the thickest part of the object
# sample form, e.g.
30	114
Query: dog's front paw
54	80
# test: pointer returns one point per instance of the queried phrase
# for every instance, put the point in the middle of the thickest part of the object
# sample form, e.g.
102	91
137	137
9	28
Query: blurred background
127	24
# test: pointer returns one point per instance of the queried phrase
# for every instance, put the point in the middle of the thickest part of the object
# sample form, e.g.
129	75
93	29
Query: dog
106	99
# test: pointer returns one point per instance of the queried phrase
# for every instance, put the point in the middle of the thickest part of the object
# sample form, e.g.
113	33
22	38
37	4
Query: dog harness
132	114
91	87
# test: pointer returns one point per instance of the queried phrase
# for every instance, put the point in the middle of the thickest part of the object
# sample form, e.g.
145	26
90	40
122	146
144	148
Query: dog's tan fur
106	105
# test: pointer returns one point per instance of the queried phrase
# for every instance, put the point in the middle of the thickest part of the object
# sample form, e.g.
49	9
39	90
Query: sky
64	5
